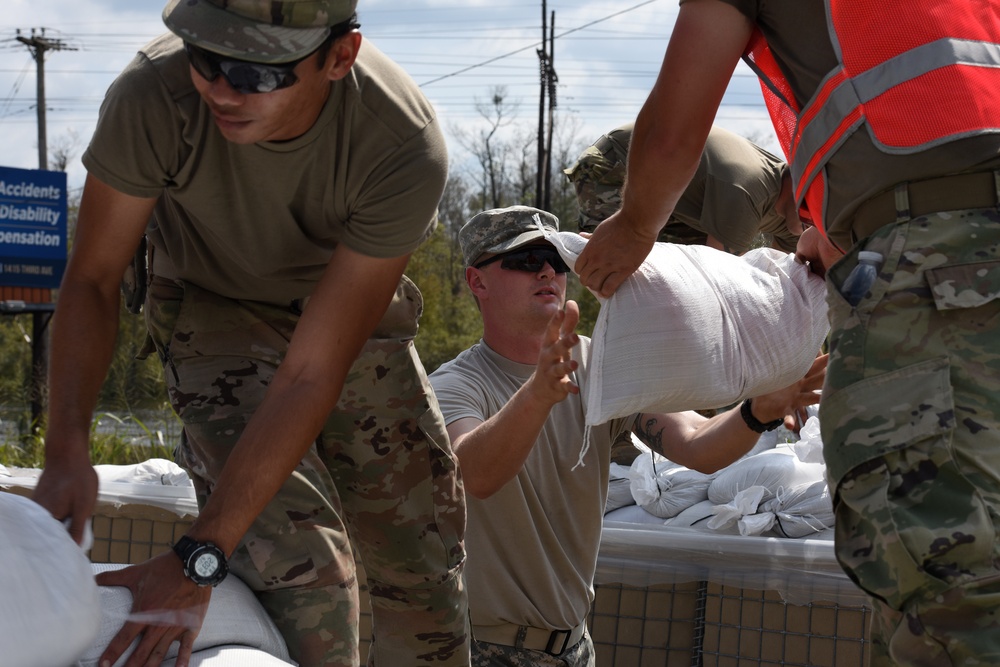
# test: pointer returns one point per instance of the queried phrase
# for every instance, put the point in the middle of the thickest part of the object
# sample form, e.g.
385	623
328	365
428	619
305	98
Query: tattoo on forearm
644	428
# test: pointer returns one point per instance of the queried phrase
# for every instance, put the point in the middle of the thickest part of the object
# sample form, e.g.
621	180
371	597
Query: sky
606	55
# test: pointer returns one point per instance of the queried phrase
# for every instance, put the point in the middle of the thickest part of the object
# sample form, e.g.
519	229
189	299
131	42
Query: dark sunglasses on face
245	77
531	259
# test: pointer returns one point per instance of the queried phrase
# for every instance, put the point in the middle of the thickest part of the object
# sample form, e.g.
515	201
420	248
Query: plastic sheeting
156	482
800	570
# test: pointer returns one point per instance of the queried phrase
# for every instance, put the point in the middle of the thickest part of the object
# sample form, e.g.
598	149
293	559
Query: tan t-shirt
260	221
532	546
733	194
796	32
731	197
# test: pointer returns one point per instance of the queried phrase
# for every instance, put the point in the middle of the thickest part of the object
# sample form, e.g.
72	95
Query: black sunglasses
531	259
245	77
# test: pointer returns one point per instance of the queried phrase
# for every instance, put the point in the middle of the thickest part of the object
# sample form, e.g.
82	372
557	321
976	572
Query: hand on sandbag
613	252
67	488
166	607
790	402
816	251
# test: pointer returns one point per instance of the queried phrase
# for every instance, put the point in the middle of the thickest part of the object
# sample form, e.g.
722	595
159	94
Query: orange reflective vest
914	73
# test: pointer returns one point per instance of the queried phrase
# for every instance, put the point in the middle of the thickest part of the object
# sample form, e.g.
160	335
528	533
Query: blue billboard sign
33	230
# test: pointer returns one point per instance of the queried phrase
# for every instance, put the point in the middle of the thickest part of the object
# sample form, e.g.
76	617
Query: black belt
553	642
932	195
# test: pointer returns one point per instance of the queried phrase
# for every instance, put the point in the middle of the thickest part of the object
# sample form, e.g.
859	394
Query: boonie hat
261	31
501	229
598	176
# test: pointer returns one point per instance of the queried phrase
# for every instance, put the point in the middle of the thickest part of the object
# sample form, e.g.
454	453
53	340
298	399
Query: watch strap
753	423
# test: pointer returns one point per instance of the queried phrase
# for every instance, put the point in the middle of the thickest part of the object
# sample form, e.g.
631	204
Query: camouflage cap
501	229
263	31
598	176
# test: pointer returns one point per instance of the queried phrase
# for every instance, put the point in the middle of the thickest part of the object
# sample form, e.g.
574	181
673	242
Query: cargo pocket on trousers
906	517
448	494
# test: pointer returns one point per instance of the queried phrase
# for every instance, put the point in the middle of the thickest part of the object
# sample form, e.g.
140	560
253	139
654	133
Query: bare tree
64	150
490	148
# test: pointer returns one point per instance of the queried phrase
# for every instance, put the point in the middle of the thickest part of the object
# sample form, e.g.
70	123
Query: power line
536	44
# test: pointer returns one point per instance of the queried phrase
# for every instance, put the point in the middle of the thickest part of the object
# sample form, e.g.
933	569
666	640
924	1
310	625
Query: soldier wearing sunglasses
513	407
281	170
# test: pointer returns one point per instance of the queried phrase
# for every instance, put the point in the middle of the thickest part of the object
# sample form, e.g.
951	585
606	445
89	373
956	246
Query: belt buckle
552	640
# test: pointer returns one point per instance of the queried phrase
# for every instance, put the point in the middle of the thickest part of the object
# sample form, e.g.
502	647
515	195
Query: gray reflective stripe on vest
864	87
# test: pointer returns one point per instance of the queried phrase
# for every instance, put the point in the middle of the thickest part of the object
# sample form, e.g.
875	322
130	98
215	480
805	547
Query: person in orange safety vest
888	112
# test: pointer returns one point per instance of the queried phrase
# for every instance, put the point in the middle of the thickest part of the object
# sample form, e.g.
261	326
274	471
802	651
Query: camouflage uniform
497	655
278	31
382	470
911	403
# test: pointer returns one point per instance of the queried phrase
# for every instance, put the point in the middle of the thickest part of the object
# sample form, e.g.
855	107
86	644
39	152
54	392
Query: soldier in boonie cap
503	229
739	197
263	31
598	176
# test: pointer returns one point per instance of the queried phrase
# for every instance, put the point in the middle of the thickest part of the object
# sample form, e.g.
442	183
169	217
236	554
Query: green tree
450	322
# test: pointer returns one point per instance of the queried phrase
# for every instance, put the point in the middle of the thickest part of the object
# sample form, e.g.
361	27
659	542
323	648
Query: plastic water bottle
862	277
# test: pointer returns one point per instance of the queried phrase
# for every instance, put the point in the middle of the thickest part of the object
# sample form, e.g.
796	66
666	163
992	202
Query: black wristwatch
751	421
204	563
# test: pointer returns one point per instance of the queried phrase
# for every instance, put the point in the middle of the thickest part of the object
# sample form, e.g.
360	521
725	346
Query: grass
113	441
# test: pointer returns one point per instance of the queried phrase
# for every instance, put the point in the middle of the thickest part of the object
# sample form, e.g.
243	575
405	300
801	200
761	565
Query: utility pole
542	68
38	44
551	79
547	77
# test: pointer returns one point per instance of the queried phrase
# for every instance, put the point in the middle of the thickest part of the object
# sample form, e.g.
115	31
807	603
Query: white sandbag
664	488
800	511
150	471
809	447
696	516
619	488
774	469
632	514
232	656
736	511
234	617
790	512
697	328
48	597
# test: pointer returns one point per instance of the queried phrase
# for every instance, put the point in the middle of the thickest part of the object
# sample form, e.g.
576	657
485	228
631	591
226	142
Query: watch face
206	565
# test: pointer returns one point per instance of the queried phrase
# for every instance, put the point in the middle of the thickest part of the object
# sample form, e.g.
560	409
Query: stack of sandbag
699	328
48	597
236	632
772	493
777	489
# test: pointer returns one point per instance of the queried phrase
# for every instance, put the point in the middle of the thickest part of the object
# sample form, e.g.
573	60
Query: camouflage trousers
380	482
910	421
485	654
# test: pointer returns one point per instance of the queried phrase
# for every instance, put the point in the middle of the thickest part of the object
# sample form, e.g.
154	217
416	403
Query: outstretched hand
550	381
166	607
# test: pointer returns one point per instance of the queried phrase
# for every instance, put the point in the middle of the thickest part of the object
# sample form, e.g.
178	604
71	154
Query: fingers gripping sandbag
697	328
